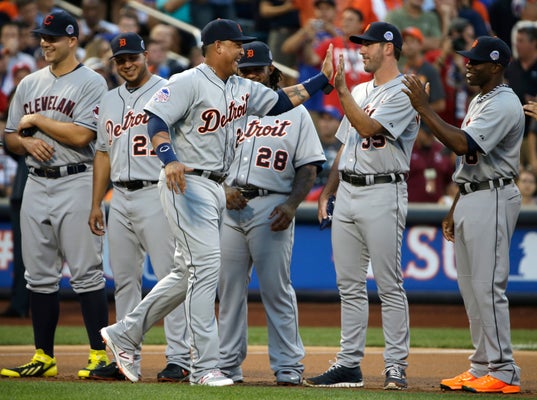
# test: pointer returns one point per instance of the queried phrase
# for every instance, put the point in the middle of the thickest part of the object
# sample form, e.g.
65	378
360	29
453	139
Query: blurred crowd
299	33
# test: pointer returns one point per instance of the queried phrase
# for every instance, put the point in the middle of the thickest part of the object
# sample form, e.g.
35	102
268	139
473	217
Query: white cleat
124	358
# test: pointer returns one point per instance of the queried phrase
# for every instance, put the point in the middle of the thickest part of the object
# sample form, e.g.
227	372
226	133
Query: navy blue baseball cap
224	29
380	32
488	49
256	54
58	23
127	43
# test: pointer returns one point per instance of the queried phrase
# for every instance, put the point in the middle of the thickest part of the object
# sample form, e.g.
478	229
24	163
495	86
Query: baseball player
208	106
377	134
269	177
124	155
51	121
483	216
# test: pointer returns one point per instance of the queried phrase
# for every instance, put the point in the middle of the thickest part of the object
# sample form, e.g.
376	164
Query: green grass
12	389
522	339
27	389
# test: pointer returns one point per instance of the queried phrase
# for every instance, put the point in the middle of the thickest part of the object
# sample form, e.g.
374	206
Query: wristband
165	153
313	85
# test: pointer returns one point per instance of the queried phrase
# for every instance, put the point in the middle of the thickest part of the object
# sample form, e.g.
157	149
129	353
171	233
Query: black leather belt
58	172
471	187
367	180
134	185
250	192
217	177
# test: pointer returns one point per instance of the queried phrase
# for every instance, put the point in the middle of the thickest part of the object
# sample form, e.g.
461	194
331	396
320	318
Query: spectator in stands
128	21
431	168
351	24
93	24
10	41
452	190
178	9
452	70
372	10
412	14
170	40
503	17
204	11
284	20
526	183
327	124
521	74
28	20
320	27
157	59
415	63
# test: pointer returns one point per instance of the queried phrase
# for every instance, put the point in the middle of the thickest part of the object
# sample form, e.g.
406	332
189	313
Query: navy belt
134	185
58	172
367	180
471	187
250	192
217	177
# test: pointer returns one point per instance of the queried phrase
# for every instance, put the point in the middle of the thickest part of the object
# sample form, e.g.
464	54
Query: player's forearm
66	133
332	182
101	177
14	143
359	119
452	137
301	92
302	184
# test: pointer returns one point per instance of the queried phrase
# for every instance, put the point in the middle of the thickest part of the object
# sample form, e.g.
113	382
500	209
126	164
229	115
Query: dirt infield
426	366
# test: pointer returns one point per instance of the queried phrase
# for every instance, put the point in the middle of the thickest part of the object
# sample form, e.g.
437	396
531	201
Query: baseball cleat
489	384
173	373
109	372
41	365
124	358
288	378
96	359
457	382
337	376
233	373
214	377
395	378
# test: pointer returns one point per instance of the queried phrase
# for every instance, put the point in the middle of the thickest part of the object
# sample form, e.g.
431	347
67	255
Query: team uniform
361	234
269	152
485	217
207	114
136	223
55	205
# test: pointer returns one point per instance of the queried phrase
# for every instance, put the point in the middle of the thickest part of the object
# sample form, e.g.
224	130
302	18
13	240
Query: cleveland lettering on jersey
47	103
213	119
130	120
254	128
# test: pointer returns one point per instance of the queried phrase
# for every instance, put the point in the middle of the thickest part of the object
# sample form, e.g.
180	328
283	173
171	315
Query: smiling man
483	216
51	122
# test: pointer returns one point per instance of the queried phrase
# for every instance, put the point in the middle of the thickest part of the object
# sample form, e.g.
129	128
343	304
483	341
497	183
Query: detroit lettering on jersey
130	120
254	128
48	103
213	119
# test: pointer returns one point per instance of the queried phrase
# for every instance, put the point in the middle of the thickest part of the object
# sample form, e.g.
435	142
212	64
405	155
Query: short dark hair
529	31
356	11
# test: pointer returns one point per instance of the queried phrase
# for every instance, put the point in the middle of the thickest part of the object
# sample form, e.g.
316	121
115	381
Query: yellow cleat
97	359
41	365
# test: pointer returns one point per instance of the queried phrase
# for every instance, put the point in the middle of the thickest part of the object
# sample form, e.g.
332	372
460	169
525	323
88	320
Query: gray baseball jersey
369	220
136	222
70	98
495	134
207	114
383	153
484	222
269	152
55	211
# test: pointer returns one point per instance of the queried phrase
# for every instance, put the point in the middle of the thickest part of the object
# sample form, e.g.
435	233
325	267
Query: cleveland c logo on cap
48	20
122	42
